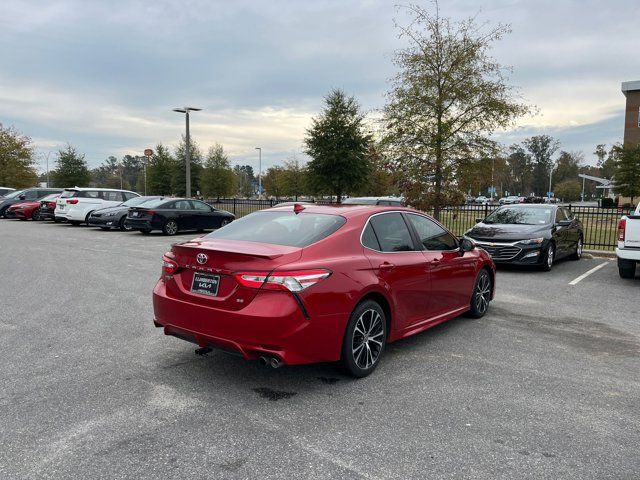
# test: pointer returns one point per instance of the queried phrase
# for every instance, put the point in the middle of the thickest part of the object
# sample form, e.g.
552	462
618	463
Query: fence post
234	205
486	210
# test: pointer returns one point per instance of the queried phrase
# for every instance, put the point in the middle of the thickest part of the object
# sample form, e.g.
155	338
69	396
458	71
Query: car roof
349	210
530	205
83	189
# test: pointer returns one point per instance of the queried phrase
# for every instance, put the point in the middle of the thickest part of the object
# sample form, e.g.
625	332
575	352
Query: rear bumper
142	224
72	215
272	324
47	215
628	254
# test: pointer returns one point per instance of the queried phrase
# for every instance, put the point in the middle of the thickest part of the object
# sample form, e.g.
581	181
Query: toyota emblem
202	258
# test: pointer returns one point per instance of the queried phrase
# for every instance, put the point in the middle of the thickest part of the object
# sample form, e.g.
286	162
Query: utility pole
259	171
186	111
48	183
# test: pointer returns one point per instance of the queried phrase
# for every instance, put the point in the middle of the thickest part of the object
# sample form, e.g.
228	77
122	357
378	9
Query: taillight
72	201
622	226
293	281
169	265
151	212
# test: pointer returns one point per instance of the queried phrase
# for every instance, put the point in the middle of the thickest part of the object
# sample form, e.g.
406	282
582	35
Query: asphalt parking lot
547	385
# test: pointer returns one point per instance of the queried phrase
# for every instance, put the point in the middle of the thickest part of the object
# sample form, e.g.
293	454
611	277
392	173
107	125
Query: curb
601	253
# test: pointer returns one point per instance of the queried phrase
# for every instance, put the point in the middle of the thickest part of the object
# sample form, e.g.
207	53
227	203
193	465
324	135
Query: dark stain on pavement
273	395
328	380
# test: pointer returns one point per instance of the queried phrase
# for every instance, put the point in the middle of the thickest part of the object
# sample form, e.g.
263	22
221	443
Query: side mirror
466	245
564	223
22	196
478	220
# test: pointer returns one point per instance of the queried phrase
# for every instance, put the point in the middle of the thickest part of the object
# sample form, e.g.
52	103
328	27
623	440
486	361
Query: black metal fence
599	224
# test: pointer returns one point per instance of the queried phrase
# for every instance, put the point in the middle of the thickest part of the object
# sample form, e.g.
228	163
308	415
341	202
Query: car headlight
110	214
532	241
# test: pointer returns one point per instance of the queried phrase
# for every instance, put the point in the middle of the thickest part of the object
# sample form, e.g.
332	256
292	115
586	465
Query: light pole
186	111
48	183
259	171
550	177
493	187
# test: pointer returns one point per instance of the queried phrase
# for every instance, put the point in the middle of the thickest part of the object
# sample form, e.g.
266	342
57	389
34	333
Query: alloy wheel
225	221
366	342
579	248
550	253
36	214
483	293
171	227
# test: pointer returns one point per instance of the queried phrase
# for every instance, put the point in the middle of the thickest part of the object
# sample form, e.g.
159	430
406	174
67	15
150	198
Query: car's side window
112	196
200	206
93	194
568	213
128	195
31	195
559	215
431	235
392	232
369	238
182	205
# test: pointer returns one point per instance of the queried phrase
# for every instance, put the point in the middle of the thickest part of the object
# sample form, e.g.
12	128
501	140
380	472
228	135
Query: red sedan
308	283
24	210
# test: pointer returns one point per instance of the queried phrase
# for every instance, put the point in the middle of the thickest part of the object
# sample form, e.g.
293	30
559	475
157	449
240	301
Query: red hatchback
308	283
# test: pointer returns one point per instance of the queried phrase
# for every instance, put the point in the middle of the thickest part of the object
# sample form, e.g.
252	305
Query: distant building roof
630	86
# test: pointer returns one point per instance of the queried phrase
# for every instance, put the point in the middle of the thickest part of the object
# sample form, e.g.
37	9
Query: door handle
435	260
386	266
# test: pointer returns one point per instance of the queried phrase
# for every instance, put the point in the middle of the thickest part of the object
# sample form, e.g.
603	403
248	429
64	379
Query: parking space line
586	274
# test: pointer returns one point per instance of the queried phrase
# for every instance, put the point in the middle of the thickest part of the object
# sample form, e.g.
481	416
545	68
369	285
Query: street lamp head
258	148
192	109
179	110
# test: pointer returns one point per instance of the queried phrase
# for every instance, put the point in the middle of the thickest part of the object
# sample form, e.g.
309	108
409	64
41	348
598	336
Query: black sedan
176	214
529	235
114	217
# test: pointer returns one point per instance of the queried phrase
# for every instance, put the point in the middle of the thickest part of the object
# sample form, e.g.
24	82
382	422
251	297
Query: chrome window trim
457	249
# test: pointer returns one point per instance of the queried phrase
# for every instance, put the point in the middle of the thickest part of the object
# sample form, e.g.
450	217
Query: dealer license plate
205	284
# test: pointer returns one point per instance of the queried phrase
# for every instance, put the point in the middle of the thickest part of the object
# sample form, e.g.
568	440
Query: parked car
303	284
482	200
48	207
175	215
628	250
5	190
529	235
510	200
386	201
114	217
28	194
28	210
76	204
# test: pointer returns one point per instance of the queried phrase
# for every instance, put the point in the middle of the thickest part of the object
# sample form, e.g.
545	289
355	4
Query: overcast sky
104	76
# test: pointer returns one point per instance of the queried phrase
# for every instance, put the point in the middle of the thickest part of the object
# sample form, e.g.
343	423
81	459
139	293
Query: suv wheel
626	268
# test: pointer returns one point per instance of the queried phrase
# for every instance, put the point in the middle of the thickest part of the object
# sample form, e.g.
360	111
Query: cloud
105	75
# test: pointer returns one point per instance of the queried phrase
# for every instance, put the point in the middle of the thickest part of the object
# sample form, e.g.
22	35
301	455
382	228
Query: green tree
132	171
626	177
567	166
71	169
294	178
380	181
606	160
541	148
273	181
108	174
520	171
568	190
446	101
217	177
160	172
337	143
17	163
244	180
179	184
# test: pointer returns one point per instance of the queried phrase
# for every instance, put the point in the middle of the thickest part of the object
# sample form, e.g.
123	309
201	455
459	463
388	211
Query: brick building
631	90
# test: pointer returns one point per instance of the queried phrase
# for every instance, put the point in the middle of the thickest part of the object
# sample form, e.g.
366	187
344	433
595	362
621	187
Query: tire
363	358
626	268
170	227
57	220
86	219
75	223
122	226
577	255
145	231
224	222
35	215
481	296
549	258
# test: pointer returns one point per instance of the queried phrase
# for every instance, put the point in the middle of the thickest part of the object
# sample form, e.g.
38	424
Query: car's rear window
69	193
14	194
281	228
50	197
132	202
154	203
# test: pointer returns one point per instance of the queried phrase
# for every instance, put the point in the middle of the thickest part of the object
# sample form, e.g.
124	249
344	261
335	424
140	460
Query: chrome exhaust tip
276	362
264	361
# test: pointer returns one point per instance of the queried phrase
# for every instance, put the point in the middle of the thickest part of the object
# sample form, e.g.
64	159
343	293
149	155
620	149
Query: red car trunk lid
225	258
